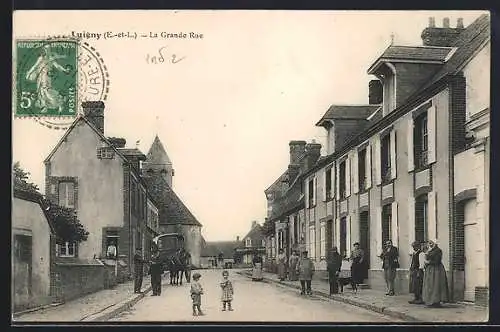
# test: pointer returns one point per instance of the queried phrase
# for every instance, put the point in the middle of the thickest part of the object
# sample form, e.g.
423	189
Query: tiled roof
171	209
157	154
354	112
256	229
132	153
215	248
430	53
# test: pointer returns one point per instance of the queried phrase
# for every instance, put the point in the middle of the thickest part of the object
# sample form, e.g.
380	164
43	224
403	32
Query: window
362	174
111	244
312	242
421	141
322	241
342	180
66	250
67	194
248	242
273	247
386	223
328	184
343	236
281	240
386	158
263	243
421	218
105	153
295	223
311	192
23	248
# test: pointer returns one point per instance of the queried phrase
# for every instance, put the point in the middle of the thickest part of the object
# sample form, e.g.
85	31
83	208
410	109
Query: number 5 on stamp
46	78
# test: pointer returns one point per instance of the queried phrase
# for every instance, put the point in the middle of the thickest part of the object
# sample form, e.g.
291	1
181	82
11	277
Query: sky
226	112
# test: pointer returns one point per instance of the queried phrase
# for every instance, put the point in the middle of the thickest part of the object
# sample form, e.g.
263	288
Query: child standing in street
196	292
227	291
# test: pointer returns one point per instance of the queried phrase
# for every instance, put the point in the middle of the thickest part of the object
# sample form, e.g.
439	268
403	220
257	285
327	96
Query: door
364	239
22	268
473	251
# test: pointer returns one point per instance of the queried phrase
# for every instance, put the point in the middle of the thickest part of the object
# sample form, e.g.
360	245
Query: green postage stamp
46	78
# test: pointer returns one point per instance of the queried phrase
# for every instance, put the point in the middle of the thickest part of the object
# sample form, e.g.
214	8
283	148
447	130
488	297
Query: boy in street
196	292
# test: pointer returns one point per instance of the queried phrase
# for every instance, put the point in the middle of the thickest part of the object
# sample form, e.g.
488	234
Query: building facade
253	242
412	164
101	180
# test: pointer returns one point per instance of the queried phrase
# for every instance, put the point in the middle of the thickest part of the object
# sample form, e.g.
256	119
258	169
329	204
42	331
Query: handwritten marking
161	57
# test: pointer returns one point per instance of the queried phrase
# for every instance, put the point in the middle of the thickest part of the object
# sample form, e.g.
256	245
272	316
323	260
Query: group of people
156	269
428	281
196	292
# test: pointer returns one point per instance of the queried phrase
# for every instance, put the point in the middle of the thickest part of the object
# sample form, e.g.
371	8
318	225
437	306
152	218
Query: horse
174	269
185	268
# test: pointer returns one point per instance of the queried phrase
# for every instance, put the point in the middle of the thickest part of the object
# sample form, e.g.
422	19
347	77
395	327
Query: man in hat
390	258
417	273
138	270
305	269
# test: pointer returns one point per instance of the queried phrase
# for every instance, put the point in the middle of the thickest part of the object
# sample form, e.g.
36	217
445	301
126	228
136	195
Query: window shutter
368	160
70	189
355	168
315	189
333	180
410	148
348	236
323	185
337	181
348	177
378	232
431	134
337	233
411	219
432	221
394	225
393	154
377	168
306	196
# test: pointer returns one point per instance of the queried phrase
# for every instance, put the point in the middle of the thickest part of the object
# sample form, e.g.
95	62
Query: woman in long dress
294	259
357	264
257	268
435	287
281	265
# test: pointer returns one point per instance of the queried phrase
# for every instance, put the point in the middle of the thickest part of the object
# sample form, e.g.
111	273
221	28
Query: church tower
158	163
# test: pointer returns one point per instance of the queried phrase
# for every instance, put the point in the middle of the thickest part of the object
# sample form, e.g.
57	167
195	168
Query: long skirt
293	273
435	287
257	272
357	273
281	271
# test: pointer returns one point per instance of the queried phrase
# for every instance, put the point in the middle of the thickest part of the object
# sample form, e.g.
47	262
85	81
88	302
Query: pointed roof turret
157	154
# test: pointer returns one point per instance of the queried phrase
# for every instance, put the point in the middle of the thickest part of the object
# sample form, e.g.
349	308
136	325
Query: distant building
218	254
253	242
174	215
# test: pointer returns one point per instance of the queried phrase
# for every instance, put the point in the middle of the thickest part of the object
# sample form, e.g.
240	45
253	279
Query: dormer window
105	153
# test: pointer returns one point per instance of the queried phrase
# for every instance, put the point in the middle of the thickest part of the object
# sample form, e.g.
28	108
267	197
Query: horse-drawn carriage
174	256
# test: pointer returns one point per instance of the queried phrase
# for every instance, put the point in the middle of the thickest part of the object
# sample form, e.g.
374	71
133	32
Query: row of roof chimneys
446	22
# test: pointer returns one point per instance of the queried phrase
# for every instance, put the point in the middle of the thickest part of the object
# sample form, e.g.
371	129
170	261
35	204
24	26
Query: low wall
72	281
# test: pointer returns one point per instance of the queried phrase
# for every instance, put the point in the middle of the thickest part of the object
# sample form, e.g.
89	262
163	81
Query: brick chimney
375	92
313	152
237	239
445	36
297	150
94	111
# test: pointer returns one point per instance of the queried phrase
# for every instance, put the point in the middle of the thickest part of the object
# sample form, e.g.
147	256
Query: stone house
101	180
253	242
217	254
394	179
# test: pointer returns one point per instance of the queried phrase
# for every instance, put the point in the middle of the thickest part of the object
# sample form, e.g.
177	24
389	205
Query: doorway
22	267
472	250
364	239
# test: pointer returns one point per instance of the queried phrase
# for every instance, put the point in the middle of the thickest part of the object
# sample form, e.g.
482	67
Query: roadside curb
365	305
117	308
27	311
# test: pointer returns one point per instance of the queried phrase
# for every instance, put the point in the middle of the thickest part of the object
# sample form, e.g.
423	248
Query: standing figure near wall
292	263
435	287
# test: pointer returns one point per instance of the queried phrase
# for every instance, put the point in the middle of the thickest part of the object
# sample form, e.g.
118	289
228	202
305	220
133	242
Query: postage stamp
46	77
53	76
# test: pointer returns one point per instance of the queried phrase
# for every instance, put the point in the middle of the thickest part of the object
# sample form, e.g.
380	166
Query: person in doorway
227	291
111	251
334	264
156	270
435	285
390	258
257	268
138	270
417	273
357	266
281	265
294	259
305	268
196	293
